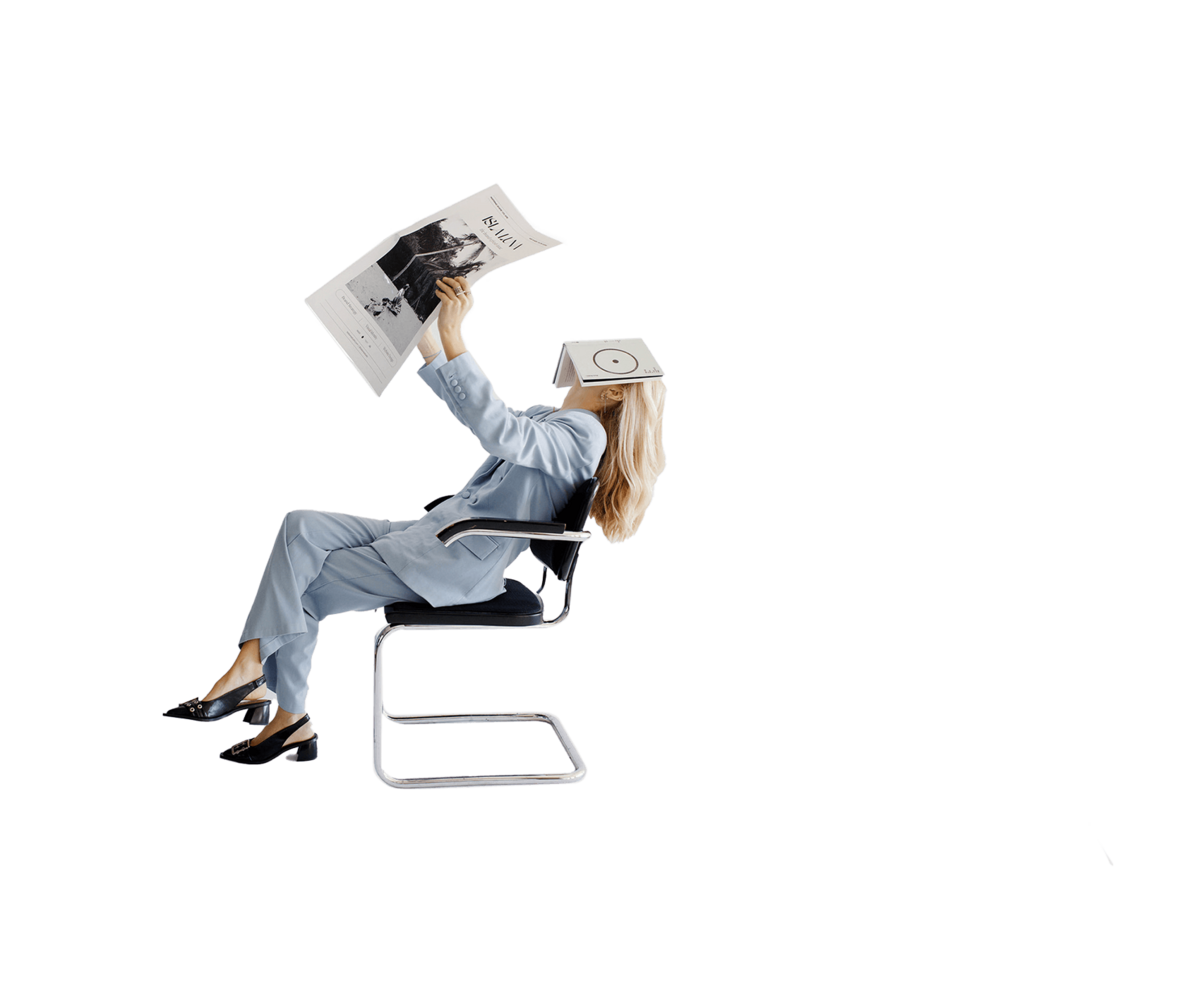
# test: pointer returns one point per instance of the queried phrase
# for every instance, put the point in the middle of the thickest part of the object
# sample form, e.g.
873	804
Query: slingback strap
195	702
299	724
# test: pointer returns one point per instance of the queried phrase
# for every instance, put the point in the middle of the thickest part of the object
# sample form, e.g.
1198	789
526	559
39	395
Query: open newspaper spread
378	308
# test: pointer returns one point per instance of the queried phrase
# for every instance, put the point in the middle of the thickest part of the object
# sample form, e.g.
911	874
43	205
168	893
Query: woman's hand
454	305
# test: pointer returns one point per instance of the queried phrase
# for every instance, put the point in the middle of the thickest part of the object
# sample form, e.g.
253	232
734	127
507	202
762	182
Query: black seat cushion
518	606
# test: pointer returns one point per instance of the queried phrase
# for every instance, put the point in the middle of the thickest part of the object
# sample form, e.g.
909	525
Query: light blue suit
325	563
539	457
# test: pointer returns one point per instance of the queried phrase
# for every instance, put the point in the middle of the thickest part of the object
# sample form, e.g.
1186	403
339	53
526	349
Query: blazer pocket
481	545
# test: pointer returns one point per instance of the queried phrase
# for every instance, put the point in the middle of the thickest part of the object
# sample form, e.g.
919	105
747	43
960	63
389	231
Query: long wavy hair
633	459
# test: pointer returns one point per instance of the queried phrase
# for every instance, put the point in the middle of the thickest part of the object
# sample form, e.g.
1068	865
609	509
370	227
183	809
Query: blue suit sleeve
567	445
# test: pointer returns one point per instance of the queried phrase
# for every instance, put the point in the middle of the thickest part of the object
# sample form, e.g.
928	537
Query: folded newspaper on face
378	308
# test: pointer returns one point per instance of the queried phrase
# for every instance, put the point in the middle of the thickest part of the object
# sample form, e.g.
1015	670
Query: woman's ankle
248	652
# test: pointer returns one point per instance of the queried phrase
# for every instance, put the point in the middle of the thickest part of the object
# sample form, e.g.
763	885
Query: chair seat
517	607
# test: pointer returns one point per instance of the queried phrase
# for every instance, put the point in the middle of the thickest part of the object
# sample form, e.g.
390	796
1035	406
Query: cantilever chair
556	545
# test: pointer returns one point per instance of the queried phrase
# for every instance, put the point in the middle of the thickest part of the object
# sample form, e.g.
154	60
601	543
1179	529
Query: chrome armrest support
498	529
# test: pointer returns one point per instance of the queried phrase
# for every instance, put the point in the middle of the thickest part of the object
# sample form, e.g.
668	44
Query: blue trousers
322	563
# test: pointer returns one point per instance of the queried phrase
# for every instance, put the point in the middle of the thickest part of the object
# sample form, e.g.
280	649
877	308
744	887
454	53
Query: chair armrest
542	531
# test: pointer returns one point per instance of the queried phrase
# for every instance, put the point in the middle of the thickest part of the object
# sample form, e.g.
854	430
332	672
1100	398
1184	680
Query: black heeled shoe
276	744
227	703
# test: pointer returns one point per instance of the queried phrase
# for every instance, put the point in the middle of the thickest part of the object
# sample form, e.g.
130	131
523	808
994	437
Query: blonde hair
633	459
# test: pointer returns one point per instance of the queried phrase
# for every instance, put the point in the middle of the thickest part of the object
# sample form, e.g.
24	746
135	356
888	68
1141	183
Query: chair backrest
559	557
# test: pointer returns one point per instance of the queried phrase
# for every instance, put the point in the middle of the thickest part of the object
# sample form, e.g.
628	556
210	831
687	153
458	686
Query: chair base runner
465	780
483	780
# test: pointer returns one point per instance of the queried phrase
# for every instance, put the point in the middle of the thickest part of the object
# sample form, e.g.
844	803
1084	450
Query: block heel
308	750
258	715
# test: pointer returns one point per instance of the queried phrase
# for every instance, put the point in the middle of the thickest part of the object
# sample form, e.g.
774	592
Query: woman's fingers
449	289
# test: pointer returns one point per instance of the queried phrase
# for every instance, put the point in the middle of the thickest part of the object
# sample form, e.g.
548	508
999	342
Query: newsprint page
377	309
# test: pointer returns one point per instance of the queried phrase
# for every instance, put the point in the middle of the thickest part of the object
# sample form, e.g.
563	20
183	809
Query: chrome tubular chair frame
562	563
463	780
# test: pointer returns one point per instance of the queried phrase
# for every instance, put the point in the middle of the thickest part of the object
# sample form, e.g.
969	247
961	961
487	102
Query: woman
324	563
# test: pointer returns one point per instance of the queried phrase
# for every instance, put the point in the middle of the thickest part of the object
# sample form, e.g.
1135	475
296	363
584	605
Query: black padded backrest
559	557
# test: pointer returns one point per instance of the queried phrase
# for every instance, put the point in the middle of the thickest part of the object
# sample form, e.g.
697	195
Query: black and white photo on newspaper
378	308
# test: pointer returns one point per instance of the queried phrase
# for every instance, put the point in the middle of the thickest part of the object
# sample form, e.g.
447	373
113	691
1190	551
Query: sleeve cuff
425	369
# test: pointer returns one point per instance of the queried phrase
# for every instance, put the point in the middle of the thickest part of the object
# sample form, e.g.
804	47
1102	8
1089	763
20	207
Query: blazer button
454	380
461	396
466	493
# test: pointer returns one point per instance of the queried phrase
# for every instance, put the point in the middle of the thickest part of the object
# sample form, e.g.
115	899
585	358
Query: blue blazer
538	458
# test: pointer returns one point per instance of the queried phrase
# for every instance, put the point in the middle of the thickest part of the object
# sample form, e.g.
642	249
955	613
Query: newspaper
378	308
